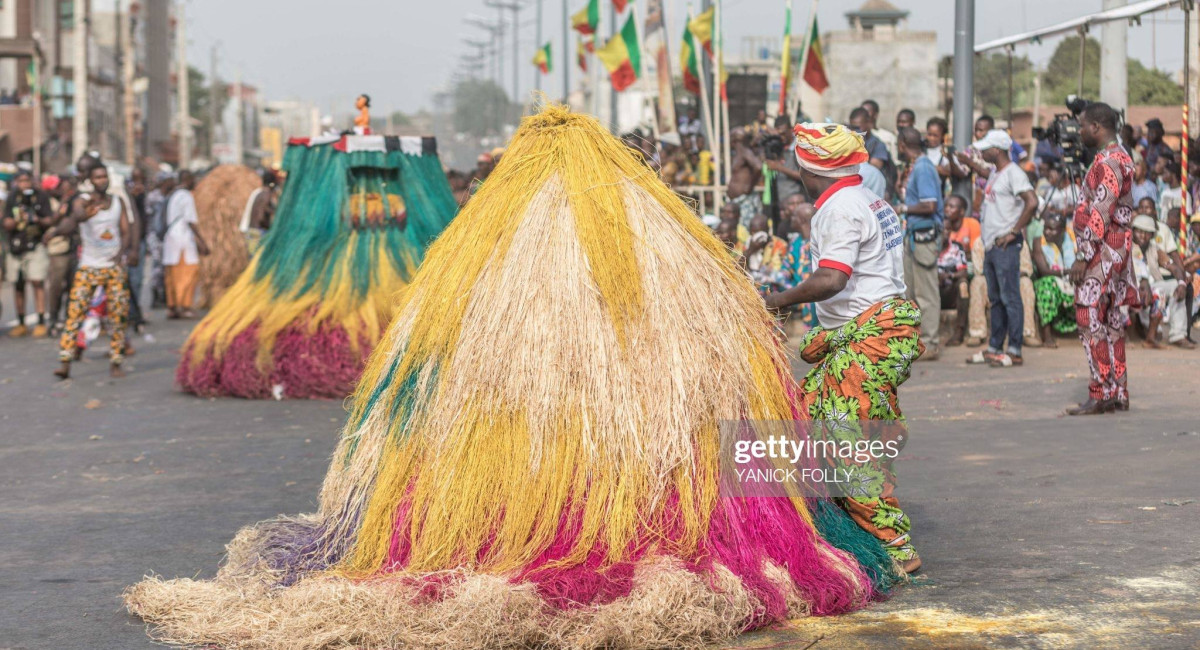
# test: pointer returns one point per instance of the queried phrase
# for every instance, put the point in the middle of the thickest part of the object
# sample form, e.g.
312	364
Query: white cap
1145	222
670	138
995	139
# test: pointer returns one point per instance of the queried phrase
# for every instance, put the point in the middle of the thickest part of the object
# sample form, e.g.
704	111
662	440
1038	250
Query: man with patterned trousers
869	334
107	244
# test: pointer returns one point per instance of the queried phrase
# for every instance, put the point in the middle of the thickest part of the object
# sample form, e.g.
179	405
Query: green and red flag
620	5
702	29
543	59
785	65
814	60
622	57
689	63
585	20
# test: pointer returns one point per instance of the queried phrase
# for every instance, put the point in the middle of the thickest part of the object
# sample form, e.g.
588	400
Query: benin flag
542	59
585	20
622	57
702	29
620	5
581	53
814	61
785	65
688	62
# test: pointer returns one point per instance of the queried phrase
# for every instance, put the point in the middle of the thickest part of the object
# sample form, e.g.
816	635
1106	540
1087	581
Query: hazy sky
401	51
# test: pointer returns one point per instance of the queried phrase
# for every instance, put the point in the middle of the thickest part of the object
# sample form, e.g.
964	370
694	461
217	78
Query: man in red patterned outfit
1102	272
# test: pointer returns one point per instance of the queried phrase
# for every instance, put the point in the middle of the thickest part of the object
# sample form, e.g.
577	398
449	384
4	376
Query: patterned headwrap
829	149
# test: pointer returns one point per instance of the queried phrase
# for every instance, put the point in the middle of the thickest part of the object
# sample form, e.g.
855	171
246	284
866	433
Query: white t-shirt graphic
858	233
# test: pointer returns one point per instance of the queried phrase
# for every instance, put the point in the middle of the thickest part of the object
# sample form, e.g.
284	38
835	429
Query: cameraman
27	215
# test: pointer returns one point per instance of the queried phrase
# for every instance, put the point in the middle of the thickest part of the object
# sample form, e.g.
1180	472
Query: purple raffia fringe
317	365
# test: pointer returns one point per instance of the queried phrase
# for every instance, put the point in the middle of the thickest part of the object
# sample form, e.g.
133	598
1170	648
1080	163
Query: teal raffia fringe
840	530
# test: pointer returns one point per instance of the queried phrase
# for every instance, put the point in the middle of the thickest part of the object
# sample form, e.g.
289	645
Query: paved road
1036	530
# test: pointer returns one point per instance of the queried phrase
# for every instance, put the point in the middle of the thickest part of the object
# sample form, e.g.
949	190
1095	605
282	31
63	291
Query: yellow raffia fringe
577	336
248	302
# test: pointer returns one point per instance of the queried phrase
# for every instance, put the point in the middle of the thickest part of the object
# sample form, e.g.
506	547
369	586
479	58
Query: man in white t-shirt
867	329
1009	203
182	248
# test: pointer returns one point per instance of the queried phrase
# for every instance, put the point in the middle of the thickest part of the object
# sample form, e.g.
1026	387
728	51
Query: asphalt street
1036	530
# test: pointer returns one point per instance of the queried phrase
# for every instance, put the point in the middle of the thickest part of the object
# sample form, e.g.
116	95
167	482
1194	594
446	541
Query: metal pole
118	66
79	69
37	113
612	93
214	117
537	78
127	73
964	71
566	52
239	152
516	52
185	120
1082	50
1010	87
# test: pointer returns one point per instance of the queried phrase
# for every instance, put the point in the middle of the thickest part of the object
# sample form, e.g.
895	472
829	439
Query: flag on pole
785	64
585	20
620	5
688	62
581	51
814	60
702	29
622	57
654	17
543	59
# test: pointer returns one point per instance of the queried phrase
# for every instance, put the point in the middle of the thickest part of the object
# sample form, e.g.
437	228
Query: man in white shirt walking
182	248
869	335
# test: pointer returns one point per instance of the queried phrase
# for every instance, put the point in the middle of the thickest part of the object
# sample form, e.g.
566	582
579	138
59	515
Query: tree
1152	87
991	83
199	103
482	108
1146	86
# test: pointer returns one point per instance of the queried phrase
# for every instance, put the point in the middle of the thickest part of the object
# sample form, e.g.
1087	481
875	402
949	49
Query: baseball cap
1145	222
995	139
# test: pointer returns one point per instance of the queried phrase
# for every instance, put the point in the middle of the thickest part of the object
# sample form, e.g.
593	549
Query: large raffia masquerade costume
532	453
354	220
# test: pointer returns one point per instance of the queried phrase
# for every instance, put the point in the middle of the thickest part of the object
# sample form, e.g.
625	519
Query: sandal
980	358
1006	361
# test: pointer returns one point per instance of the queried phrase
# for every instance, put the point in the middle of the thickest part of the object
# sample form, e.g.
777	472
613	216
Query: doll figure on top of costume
362	123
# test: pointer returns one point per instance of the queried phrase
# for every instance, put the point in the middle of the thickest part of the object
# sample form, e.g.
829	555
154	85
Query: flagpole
718	36
566	54
808	33
707	114
646	96
669	91
786	61
612	93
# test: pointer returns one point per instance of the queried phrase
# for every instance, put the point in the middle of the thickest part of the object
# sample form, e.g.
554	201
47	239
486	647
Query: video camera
1064	132
772	146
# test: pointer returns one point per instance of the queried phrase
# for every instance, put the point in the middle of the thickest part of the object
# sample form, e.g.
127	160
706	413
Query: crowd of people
97	252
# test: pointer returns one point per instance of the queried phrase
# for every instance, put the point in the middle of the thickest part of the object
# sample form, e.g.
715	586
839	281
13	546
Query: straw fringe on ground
532	452
221	198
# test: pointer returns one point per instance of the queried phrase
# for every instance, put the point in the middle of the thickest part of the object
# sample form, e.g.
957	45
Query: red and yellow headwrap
829	149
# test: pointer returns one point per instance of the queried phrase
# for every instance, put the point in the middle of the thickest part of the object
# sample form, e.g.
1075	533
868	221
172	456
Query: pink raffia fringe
316	365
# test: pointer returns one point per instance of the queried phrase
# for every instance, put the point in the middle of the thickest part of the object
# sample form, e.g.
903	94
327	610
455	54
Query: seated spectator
1162	300
1171	195
971	302
798	262
1143	187
727	233
953	285
763	256
1053	255
1166	239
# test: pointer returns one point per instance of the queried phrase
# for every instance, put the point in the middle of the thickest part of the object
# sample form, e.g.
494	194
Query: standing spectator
1155	147
922	208
1162	298
1053	255
935	145
886	137
1130	142
1143	187
877	151
1171	195
63	253
873	180
27	216
153	290
953	283
1016	153
1008	205
106	242
182	248
1102	273
905	118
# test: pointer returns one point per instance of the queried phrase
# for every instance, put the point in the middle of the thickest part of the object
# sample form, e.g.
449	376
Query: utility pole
118	65
184	92
239	135
515	7
497	32
129	67
566	51
964	72
1114	68
79	69
214	103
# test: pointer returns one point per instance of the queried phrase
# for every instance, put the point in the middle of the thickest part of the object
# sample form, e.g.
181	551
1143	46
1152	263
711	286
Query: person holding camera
923	212
27	215
1102	272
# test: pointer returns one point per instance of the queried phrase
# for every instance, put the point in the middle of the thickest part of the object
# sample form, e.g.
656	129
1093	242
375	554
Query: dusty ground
1036	530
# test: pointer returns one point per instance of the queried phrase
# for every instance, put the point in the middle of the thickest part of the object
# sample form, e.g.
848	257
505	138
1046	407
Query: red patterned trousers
1102	330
